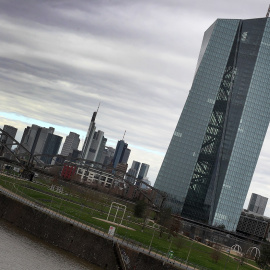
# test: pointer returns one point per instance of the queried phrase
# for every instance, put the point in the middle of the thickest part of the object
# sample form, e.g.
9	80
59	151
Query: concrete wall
91	247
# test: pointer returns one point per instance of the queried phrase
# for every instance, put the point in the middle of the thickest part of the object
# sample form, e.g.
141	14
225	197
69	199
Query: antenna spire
124	134
267	14
98	106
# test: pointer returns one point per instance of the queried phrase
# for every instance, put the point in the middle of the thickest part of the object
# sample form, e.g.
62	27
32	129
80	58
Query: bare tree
164	220
216	253
180	242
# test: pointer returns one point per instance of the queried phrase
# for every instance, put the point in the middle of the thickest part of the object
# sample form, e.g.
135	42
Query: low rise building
93	176
254	225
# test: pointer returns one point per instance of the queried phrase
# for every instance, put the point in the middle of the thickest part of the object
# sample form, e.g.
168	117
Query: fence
124	241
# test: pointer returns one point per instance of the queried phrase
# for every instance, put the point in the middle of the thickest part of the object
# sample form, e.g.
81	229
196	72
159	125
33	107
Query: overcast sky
59	59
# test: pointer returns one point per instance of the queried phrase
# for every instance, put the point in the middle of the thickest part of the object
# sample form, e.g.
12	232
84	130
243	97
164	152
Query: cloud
59	59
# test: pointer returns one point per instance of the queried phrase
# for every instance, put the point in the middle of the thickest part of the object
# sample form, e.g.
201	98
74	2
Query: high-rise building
89	137
94	144
100	151
7	140
213	152
51	148
71	143
143	171
34	139
107	155
257	204
136	166
133	171
74	155
97	146
121	154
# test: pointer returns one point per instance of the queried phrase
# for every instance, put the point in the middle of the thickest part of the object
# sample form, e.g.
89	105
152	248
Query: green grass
85	205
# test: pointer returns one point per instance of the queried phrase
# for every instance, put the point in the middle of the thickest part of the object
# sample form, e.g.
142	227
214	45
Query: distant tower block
257	204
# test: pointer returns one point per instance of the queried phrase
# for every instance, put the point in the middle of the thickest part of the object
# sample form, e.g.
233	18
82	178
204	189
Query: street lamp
152	237
169	253
128	218
189	250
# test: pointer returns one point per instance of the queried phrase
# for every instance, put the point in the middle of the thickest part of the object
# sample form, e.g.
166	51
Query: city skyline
148	61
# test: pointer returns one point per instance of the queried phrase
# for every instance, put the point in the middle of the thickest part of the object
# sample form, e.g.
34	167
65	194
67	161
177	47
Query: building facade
71	143
51	148
136	167
253	225
107	155
97	146
34	139
90	176
121	154
133	172
257	204
143	171
213	152
5	139
89	137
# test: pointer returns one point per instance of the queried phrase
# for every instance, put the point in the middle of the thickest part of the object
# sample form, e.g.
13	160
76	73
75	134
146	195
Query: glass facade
51	148
212	155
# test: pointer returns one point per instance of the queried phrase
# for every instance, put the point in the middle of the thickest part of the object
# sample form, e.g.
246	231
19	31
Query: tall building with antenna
89	138
214	149
94	143
121	154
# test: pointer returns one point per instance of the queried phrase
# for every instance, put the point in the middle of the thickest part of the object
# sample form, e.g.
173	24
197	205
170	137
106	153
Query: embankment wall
84	244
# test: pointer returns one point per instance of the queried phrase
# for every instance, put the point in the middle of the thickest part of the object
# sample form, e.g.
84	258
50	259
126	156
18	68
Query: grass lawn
84	205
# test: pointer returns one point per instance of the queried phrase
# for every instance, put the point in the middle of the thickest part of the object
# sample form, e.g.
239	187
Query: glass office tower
213	152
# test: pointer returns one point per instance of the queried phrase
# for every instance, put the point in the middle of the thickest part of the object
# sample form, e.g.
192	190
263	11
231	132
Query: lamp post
168	253
229	252
128	217
189	251
152	238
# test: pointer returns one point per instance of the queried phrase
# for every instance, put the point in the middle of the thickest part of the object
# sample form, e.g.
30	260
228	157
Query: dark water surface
20	250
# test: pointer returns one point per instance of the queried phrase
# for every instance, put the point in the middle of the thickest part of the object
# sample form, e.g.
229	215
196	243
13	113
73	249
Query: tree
180	243
139	209
145	216
264	260
164	219
216	254
175	227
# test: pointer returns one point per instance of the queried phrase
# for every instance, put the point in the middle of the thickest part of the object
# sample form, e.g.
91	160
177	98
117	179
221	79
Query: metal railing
76	221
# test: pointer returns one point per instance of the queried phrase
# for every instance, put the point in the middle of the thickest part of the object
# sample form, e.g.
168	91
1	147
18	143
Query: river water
20	250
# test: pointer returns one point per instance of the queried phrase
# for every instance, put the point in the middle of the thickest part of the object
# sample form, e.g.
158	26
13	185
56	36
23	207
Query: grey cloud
59	59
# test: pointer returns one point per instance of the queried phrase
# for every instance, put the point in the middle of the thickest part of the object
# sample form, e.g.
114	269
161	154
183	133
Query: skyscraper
12	132
51	148
94	143
257	204
121	154
143	171
101	149
97	146
34	138
71	143
213	152
133	171
89	137
107	155
135	166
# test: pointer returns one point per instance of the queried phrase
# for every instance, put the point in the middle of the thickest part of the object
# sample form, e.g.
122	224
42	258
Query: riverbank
94	248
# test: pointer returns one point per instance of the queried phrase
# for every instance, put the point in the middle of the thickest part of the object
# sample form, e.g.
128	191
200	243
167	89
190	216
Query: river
20	250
